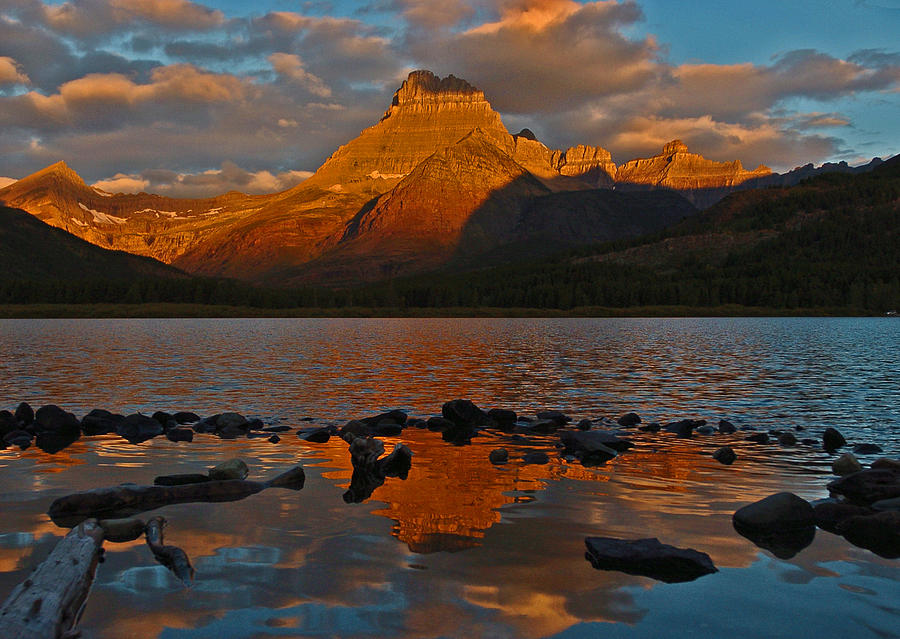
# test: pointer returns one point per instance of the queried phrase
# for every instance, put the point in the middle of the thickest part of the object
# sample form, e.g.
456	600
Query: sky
196	98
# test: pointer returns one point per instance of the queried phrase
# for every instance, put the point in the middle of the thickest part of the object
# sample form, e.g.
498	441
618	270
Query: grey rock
787	439
846	464
868	486
629	419
832	439
139	428
648	558
231	469
52	418
726	427
879	533
867	449
537	457
778	512
725	455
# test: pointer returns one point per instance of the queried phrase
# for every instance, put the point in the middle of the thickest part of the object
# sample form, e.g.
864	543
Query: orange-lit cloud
291	67
11	72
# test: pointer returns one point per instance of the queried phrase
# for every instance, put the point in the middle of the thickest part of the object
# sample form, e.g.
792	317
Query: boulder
758	438
24	414
778	512
20	438
887	504
462	412
206	425
554	415
138	428
53	419
536	457
231	469
585	424
724	455
587	441
787	439
499	456
397	417
629	419
163	418
886	463
684	428
868	486
867	449
648	558
8	423
726	427
879	533
231	422
121	530
846	464
180	435
503	416
652	427
705	430
439	424
832	439
186	417
356	428
829	514
318	436
416	422
100	422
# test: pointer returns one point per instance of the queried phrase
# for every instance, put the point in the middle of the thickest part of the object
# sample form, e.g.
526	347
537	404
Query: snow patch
102	218
386	176
101	192
78	222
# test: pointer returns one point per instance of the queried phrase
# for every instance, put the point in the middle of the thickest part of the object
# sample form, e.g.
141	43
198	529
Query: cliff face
702	181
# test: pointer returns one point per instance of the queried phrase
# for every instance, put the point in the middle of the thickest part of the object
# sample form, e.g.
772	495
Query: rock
629	419
462	412
387	428
181	480
356	428
139	428
784	544
868	486
585	424
185	417
100	422
887	504
503	416
180	435
206	425
292	479
274	439
20	438
648	558
318	436
787	439
832	439
8	423
724	455
879	533
653	427
24	414
778	512
52	443
397	417
759	438
121	530
499	456
416	422
537	457
886	463
846	464
162	417
232	422
587	441
231	469
53	419
683	428
726	427
439	424
590	449
540	426
557	416
706	430
276	429
867	449
829	514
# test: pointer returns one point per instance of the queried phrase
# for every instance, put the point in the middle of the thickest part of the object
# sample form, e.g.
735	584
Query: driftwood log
369	472
130	499
49	602
172	557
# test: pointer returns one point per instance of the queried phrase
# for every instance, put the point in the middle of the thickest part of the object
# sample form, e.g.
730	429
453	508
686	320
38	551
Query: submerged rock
725	455
648	558
867	449
832	439
499	456
787	439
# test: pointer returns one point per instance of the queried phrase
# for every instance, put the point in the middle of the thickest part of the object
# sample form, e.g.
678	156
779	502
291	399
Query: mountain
437	183
828	242
33	250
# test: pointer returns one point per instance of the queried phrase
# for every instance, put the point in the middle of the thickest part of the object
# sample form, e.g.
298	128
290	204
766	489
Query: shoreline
173	311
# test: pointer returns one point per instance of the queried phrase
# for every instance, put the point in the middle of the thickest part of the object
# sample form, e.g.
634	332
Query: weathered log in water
130	499
172	557
49	602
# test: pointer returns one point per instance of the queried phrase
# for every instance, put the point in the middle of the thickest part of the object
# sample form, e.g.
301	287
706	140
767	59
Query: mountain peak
675	146
58	170
425	85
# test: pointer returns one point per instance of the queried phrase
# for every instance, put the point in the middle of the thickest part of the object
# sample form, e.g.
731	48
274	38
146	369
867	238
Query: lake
461	547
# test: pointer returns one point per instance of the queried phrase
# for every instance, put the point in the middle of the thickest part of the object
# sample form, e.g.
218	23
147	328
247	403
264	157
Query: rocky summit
437	183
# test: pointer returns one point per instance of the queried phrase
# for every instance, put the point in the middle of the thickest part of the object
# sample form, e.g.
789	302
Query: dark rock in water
121	530
356	428
206	425
554	415
499	456
398	463
653	427
162	417
439	424
503	416
459	434
387	429
231	432
868	486
462	412
52	443
587	441
416	422
725	455
886	463
318	436
784	544
705	430
683	428
24	414
648	558
887	504
232	422
585	424
830	514
832	439
867	449
787	439
809	441
799	429
397	417
292	479
277	429
139	428
369	472
53	419
100	422
186	417
231	469
778	512
629	419
541	426
846	464
255	424
181	480
274	439
879	533
726	427
8	423
536	457
20	438
759	438
180	435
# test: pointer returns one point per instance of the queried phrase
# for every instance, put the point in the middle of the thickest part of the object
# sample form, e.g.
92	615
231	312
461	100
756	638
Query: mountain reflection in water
461	547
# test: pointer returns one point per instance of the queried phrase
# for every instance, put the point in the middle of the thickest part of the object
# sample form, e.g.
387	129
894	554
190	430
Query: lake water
461	547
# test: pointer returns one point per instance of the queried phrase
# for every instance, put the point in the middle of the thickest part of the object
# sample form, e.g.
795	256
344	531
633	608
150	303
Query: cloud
291	67
230	177
91	18
11	72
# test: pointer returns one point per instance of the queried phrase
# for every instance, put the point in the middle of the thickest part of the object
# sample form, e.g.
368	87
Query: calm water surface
460	548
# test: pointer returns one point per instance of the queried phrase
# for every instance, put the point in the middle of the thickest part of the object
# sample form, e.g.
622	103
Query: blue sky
187	97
